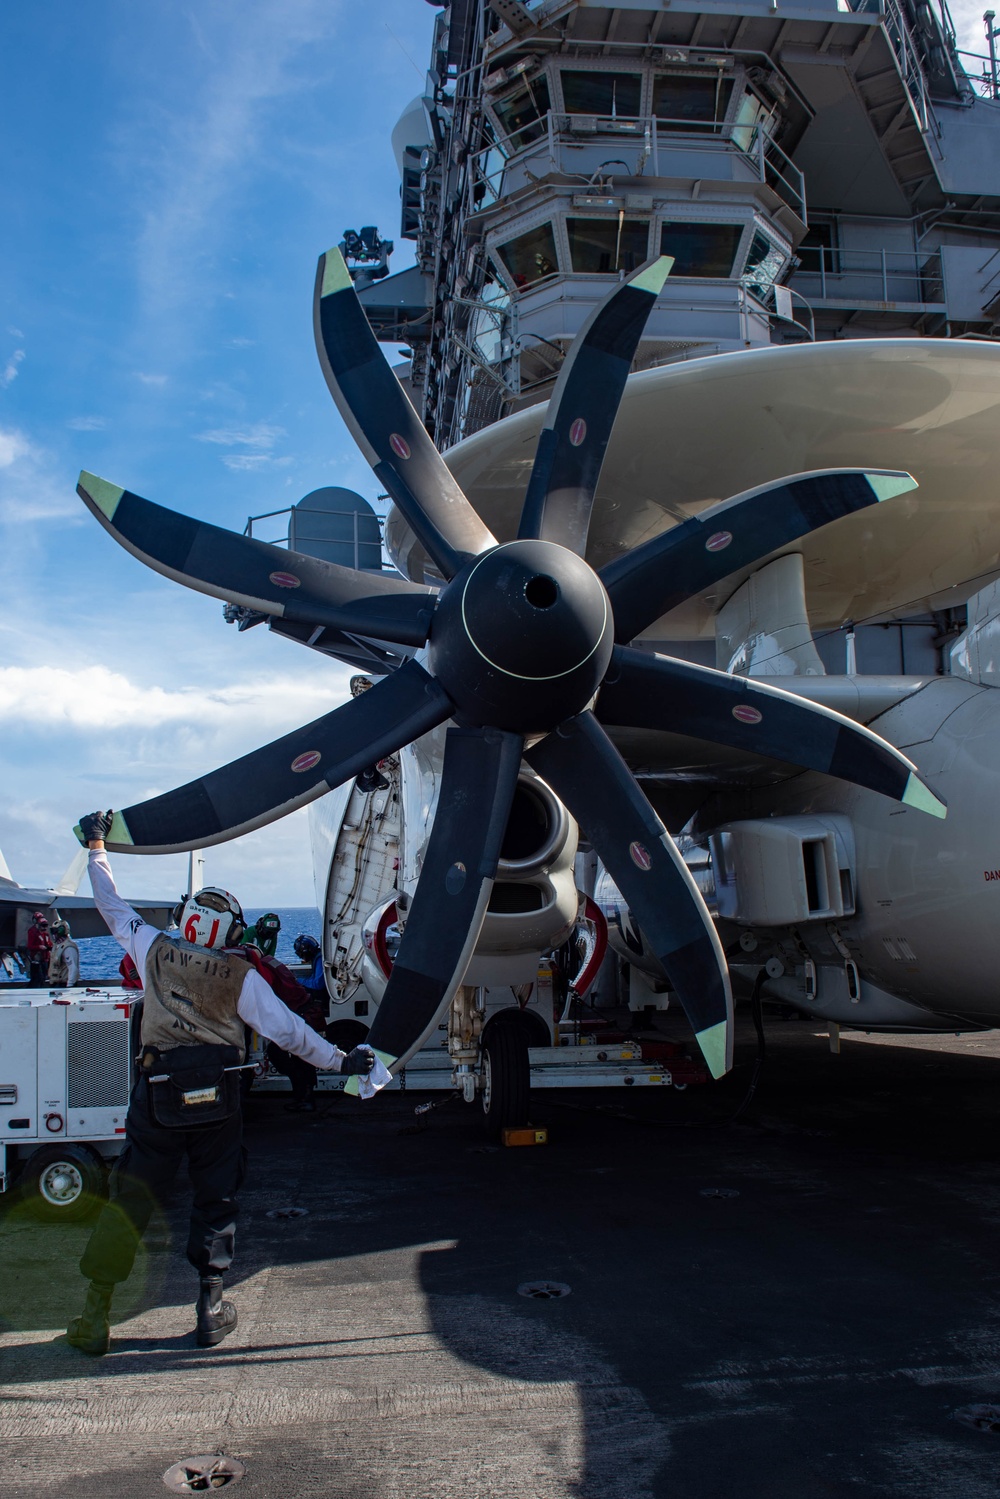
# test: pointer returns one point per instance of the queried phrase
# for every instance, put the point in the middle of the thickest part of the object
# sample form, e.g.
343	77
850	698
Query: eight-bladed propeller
520	649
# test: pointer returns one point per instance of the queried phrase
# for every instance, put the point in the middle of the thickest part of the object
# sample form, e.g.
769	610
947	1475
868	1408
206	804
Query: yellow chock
525	1136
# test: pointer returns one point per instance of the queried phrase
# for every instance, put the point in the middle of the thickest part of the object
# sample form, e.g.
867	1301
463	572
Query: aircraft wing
18	904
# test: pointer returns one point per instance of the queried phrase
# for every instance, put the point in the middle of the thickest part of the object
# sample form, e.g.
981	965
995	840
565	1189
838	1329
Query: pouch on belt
192	1085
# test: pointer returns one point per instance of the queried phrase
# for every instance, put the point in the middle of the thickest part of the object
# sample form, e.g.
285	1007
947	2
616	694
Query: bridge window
751	117
522	114
764	264
608	94
597	246
700	249
690	103
530	256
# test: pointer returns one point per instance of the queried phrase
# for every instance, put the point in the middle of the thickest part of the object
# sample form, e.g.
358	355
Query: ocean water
100	956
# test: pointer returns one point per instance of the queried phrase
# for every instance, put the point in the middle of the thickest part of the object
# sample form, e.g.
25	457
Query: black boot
91	1332
216	1318
302	1102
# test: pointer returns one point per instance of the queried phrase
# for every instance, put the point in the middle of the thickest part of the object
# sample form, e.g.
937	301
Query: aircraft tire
506	1077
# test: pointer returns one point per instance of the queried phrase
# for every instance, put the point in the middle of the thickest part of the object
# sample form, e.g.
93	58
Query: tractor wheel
63	1183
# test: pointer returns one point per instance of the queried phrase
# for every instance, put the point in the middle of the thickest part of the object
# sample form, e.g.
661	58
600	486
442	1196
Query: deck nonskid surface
812	1334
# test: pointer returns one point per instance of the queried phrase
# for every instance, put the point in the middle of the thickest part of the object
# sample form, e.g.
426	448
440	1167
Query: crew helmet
61	930
306	947
268	925
39	919
211	918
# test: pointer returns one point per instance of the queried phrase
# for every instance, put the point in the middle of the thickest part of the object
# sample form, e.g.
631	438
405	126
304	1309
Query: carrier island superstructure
818	170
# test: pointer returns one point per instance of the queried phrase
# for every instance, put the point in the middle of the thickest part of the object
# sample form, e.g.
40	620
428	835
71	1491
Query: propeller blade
449	904
288	773
582	411
585	770
660	692
271	579
385	426
662	573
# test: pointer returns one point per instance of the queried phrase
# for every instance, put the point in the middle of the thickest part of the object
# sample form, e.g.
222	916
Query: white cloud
82	736
145	379
247	462
260	436
13	445
95	698
35	488
87	423
10	368
968	18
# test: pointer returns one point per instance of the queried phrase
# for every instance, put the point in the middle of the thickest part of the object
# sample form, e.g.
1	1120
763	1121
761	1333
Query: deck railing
368	555
887	276
652	136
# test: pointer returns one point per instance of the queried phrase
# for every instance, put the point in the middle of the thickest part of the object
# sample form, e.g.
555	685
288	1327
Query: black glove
361	1061
95	825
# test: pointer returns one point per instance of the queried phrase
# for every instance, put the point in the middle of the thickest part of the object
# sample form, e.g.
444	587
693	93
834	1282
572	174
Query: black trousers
301	1075
145	1169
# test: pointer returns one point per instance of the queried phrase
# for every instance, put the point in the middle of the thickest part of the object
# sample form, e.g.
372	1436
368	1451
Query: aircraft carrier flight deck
802	1302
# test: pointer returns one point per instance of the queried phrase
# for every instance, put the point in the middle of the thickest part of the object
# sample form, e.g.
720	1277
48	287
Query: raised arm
125	925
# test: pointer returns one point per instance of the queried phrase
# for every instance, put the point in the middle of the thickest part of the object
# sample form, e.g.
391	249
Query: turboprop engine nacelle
868	914
925	929
534	902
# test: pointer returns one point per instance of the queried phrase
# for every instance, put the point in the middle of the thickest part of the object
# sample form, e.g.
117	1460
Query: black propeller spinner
522	637
526	654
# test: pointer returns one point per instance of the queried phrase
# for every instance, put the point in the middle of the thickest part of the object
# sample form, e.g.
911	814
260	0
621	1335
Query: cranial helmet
269	924
211	918
61	930
39	919
306	947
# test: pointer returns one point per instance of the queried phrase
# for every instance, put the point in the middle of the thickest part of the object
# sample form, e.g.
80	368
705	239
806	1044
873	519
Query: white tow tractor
65	1076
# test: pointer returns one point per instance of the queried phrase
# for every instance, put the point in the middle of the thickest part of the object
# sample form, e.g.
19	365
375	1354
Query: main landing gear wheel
506	1074
62	1183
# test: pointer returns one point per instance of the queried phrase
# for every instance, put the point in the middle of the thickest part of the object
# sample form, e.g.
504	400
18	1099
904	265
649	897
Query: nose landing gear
505	1076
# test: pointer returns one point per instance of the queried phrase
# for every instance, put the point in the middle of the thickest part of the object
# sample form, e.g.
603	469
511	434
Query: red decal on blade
285	580
743	713
306	761
399	445
578	431
640	856
719	541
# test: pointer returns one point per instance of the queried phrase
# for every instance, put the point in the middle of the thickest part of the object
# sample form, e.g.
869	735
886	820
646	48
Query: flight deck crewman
199	995
64	964
264	934
39	950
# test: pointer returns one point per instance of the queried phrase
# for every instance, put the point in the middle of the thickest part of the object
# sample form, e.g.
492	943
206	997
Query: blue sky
171	174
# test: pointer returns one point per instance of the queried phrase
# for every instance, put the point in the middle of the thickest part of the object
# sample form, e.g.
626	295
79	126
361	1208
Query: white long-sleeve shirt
258	1005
